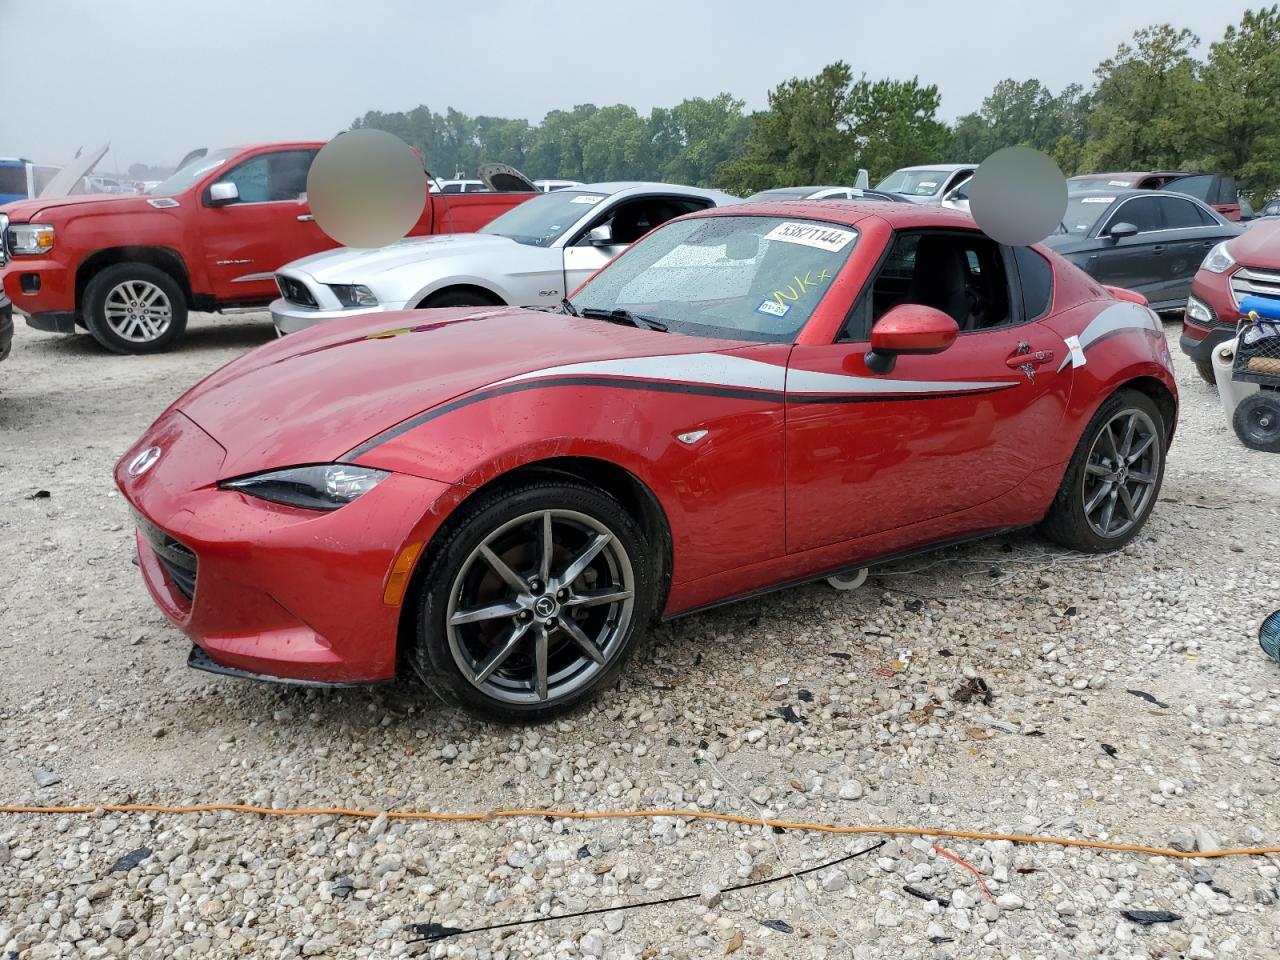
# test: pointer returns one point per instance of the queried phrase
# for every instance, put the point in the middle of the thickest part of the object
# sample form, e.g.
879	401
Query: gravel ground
882	730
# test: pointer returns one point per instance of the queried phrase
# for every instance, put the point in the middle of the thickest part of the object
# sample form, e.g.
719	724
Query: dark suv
1217	191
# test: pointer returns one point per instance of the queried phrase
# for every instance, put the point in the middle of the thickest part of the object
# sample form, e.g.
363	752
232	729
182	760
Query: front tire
1114	476
1205	369
135	308
533	601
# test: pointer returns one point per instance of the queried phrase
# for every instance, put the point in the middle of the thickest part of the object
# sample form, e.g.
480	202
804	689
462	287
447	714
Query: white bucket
1230	392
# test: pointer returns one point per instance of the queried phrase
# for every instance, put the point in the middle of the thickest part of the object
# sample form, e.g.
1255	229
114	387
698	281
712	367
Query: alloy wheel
541	607
1120	474
138	311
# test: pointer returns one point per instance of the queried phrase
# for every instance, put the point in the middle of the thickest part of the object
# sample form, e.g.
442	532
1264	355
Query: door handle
1158	249
1036	358
305	217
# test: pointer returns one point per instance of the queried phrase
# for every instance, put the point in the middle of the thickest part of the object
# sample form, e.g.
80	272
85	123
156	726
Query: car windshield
539	222
193	171
914	183
737	277
1083	212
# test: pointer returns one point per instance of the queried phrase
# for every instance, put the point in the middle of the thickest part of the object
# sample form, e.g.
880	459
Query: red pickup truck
128	268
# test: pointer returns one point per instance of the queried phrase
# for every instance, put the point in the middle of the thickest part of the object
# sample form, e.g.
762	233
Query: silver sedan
534	254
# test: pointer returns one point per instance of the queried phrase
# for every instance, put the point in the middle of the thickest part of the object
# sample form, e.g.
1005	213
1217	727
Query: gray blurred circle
366	188
1018	196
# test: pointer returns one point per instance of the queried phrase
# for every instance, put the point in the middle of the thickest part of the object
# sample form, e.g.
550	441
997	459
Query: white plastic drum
1230	392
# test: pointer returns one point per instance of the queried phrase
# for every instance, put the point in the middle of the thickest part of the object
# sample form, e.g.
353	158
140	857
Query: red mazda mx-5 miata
750	397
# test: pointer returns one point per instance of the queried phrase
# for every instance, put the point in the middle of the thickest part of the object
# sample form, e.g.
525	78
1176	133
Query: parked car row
232	229
210	237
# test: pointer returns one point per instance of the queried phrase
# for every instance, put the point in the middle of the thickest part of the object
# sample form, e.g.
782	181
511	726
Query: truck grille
295	292
4	238
177	559
1247	282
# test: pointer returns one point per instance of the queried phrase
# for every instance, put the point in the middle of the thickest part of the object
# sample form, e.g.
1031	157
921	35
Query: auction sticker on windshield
1098	200
587	198
811	235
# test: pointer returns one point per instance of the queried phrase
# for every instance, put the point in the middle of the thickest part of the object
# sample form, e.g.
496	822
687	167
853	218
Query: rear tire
543	635
1114	477
457	298
135	308
1257	421
1205	369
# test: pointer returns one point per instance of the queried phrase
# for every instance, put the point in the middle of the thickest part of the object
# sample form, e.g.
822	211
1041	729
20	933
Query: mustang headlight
353	294
29	238
325	487
1218	260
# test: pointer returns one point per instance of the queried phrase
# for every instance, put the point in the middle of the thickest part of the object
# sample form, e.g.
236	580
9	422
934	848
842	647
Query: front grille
177	559
1248	282
4	238
295	292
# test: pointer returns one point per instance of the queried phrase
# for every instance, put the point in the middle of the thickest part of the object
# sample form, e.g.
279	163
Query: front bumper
1201	349
39	286
290	317
272	591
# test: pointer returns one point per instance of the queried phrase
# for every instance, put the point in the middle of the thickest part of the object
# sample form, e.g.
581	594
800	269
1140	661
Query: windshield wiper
567	307
626	317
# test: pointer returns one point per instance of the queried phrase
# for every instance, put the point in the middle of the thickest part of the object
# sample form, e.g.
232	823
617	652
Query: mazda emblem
143	462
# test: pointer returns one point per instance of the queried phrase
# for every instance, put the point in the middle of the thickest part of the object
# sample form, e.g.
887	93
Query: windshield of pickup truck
184	178
540	222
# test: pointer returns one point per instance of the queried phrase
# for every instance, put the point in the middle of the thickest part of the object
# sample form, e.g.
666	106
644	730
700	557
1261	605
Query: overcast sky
159	77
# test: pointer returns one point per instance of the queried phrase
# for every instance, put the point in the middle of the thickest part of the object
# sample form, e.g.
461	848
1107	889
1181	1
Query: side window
1206	218
271	176
1036	279
451	188
632	219
1201	187
962	274
1143	212
1180	214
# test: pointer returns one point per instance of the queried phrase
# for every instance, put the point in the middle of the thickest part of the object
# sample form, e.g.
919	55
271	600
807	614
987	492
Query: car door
1137	262
270	224
939	434
626	221
1191	231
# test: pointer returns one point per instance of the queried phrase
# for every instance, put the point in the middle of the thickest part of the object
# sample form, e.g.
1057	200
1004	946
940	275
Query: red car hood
25	211
1259	246
312	396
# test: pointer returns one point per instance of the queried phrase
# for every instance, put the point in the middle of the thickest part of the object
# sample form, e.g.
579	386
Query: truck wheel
457	298
135	308
1257	421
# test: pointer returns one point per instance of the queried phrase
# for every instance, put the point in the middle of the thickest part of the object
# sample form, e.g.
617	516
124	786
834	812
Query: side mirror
601	236
1121	230
909	328
223	193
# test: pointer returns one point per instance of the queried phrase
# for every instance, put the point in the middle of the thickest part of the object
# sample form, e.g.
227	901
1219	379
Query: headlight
1199	311
324	487
29	238
353	295
1218	260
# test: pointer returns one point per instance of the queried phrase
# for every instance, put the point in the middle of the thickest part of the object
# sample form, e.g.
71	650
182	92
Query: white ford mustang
534	254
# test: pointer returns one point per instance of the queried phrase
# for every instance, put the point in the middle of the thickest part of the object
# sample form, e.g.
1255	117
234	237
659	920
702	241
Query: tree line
1154	104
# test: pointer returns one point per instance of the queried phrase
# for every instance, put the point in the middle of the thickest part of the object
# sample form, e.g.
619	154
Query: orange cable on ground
489	815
